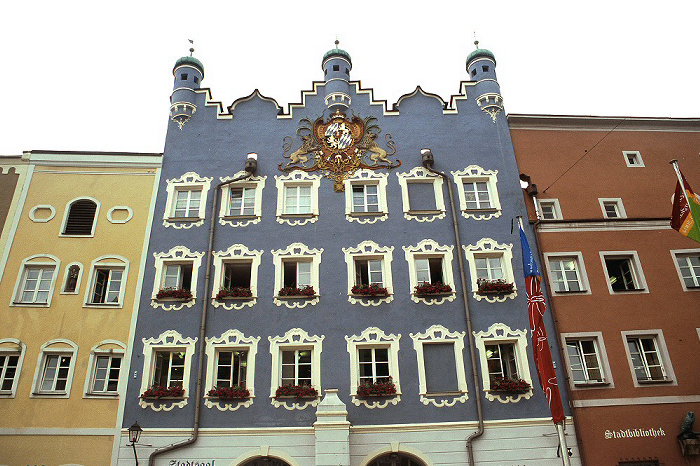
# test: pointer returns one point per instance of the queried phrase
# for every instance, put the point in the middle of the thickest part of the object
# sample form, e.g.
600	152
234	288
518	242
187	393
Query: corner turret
336	67
188	73
481	65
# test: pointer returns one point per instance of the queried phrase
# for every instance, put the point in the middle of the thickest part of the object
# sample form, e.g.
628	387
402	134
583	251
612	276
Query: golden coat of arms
338	147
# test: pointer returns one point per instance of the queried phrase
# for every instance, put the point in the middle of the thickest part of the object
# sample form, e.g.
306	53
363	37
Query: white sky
88	75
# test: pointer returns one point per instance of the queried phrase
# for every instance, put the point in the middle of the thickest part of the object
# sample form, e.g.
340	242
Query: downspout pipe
251	166
427	160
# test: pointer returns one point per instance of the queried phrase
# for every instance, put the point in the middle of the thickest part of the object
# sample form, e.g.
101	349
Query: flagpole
674	162
559	426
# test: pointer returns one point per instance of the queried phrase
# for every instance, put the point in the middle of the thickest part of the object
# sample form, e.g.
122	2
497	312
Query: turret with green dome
189	73
336	67
481	64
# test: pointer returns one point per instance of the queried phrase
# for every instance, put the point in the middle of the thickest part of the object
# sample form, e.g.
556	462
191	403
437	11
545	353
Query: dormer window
336	67
183	76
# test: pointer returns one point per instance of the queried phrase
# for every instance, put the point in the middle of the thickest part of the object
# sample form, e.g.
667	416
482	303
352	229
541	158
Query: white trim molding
42	261
56	347
366	177
581	273
427	249
110	348
111	263
176	255
254	182
190	181
617	202
236	253
9	347
296	252
638	279
66	213
421	175
472	174
694	275
488	248
602	356
38	219
297	178
120	208
369	250
657	336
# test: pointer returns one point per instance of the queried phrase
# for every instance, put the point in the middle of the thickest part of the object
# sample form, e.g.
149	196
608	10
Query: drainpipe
251	166
427	161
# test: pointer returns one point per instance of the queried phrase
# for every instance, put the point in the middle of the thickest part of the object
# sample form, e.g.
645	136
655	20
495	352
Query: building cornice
93	159
602	123
565	226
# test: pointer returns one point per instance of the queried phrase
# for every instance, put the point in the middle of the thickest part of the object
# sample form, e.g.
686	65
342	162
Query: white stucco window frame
254	182
577	257
366	177
501	333
104	348
658	335
58	346
617	201
370	250
297	178
69	204
176	255
421	175
440	334
556	208
170	340
295	338
296	252
373	337
637	157
488	247
231	340
599	343
37	208
475	173
636	266
189	181
429	248
123	208
675	254
112	262
36	260
235	253
9	347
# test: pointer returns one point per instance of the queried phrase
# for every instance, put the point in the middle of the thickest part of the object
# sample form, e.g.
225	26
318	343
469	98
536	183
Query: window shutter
80	218
440	367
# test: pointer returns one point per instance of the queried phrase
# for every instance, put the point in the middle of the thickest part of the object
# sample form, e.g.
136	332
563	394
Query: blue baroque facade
315	247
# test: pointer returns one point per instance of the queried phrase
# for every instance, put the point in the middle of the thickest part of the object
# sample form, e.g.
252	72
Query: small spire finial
476	44
191	48
337	42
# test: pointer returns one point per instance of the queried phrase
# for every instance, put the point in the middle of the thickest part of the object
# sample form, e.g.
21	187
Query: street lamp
134	435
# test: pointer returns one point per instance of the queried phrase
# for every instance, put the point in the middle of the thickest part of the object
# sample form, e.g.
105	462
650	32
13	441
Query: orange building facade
624	287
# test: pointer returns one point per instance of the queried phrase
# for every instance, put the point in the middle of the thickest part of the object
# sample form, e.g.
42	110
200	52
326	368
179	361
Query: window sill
655	382
50	395
570	292
298	296
183	219
225	399
30	304
601	383
172	300
485	292
102	305
490	209
367	214
102	396
236	298
432	295
457	393
380	295
309	215
425	212
167	398
239	217
291	397
633	290
89	235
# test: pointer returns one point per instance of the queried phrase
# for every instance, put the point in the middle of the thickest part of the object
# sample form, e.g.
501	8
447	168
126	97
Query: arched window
80	220
396	459
265	461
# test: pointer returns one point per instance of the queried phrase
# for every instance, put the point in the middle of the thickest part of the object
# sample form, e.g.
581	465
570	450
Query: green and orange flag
686	209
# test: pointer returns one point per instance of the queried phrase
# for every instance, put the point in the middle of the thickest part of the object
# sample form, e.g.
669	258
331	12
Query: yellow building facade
70	268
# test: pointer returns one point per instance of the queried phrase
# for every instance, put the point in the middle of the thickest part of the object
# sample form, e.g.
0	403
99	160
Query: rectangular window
296	367
646	359
365	198
231	367
439	364
621	274
241	202
501	361
547	210
169	368
565	275
611	210
612	207
489	268
297	199
584	361
36	285
107	286
106	375
477	195
178	276
421	196
297	274
187	203
368	272
54	377
689	266
374	364
8	371
633	158
429	270
237	274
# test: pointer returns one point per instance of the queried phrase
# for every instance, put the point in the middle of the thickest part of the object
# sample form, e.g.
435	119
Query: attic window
183	76
325	72
474	72
347	71
81	218
485	69
196	79
336	67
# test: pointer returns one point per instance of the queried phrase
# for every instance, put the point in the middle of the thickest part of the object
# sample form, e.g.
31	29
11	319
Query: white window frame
577	257
484	248
66	277
599	343
678	253
35	261
364	178
440	334
235	253
421	175
660	342
297	178
499	333
176	255
230	340
295	339
190	181
634	153
636	268
57	347
296	252
173	341
110	262
603	201
373	337
10	347
369	250
556	209
67	211
475	173
426	249
111	349
256	183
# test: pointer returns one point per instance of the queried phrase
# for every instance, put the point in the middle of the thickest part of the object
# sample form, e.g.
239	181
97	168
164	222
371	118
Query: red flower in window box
235	292
500	384
369	290
229	393
431	288
296	391
174	293
306	291
159	391
493	286
382	387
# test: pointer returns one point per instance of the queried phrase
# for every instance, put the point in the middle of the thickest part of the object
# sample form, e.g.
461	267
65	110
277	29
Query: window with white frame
108	281
36	280
297	197
612	207
549	209
584	360
369	272
176	277
80	217
230	364
235	283
168	368
501	361
421	194
623	271
241	201
491	270
105	365
478	192
633	158
365	196
296	360
296	268
430	263
648	356
688	267
11	359
186	200
567	272
296	273
54	370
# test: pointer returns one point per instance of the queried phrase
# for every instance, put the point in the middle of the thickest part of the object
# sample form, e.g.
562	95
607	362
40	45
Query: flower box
229	393
500	384
382	387
296	391
493	286
235	292
159	391
174	293
294	292
426	289
369	290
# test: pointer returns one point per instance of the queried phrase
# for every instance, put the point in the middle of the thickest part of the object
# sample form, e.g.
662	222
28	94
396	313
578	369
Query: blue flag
529	265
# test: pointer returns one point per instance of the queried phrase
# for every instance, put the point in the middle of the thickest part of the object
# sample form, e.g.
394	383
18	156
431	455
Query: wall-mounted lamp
134	435
427	158
251	163
525	183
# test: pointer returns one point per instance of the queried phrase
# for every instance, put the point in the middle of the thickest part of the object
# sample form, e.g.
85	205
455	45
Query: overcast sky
97	76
